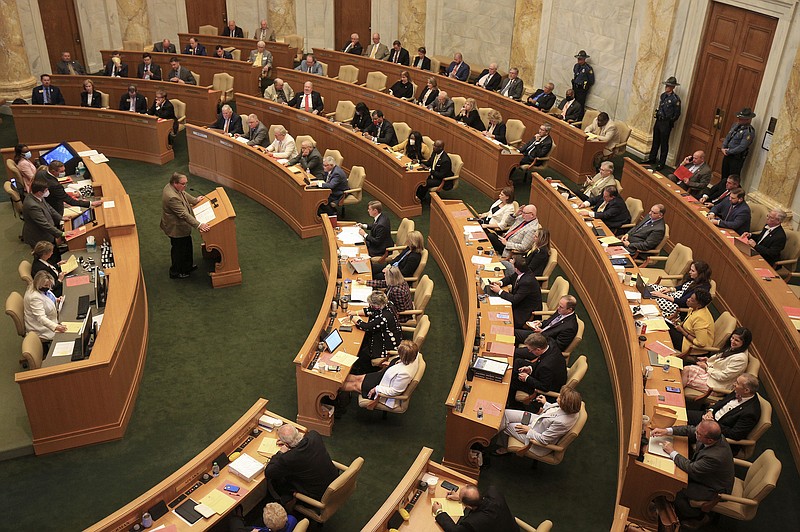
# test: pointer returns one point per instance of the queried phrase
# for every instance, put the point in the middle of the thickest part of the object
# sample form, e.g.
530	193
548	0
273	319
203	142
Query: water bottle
81	170
215	469
483	340
480	412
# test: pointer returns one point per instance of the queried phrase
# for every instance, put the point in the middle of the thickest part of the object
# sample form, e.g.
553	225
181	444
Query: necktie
553	323
564	113
505	89
516	281
47	95
602	207
374	50
401	257
51	296
307	97
729	212
133	103
259	59
147	72
348	47
515	230
226	125
765	234
536	99
71	69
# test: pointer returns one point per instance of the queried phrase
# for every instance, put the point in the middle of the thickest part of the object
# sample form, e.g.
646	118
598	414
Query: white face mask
411	142
27	155
46	193
62	174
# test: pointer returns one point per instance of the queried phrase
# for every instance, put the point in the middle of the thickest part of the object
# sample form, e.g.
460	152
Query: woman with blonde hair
381	331
469	115
392	380
407	260
429	93
397	291
496	129
89	96
41	310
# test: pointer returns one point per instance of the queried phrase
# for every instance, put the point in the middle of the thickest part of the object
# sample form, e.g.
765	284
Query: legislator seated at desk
693	174
221	53
279	92
194	48
538	367
489	78
525	295
421	61
381	130
261	57
458	69
310	160
115	67
228	121
562	327
147	69
309	100
441	167
164	47
732	213
569	109
257	134
649	233
133	101
284	146
333	178
513	86
46	94
180	74
543	99
89	96
380	230
771	240
609	207
41	309
495	129
309	66
519	237
487	511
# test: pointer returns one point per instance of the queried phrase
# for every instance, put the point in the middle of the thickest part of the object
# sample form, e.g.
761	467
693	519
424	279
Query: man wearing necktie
309	100
336	181
228	122
769	243
441	167
539	146
264	33
525	295
46	94
133	101
399	54
261	57
720	191
561	326
648	234
147	69
732	213
543	99
519	237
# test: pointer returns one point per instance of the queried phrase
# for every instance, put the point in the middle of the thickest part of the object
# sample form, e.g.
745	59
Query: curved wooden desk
245	77
219	158
313	386
191	475
91	401
464	429
574	152
486	164
282	54
201	102
115	133
757	303
387	177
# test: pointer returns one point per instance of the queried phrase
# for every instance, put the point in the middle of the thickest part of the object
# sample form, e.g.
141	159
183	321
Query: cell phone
526	418
449	486
231	488
673	389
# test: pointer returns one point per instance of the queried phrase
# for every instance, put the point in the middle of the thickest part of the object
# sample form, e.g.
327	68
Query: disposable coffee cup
648	372
642	340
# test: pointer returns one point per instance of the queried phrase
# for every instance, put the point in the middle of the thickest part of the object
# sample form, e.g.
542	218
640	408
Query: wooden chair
15	308
575	341
336	154
456	164
556	456
32	354
623	134
208	29
761	478
560	289
24	270
180	112
758	217
223	82
422	295
636	208
345	110
375	81
458	103
544	526
399	402
401	130
515	129
641	256
676	264
299	139
549	268
335	495
355	184
348	74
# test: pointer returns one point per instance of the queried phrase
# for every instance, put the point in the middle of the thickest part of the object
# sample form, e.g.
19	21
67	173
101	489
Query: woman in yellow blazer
697	330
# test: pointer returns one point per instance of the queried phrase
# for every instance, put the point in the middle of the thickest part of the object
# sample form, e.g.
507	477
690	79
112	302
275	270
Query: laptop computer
359	266
643	288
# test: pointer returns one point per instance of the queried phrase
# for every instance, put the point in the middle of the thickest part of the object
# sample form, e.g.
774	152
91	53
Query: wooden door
729	71
60	24
203	12
352	16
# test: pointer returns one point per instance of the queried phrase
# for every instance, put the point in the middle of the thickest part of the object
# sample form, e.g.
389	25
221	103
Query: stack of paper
656	324
246	467
268	447
493	300
204	213
359	292
344	359
350	235
451	508
481	259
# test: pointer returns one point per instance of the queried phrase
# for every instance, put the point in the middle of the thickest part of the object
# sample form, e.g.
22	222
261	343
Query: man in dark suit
42	222
194	48
714	195
570	110
443	105
147	69
164	47
441	166
485	512
398	54
543	99
380	231
58	196
513	86
732	213
220	53
381	130
258	134
133	101
308	100
458	69
68	66
228	121
609	207
489	79
179	74
710	469
46	94
115	68
232	30
335	180
525	295
561	327
649	233
309	160
539	146
696	172
354	46
421	61
771	240
163	108
537	366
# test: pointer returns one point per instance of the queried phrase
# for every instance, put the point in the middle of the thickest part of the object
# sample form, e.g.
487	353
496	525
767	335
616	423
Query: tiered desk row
282	54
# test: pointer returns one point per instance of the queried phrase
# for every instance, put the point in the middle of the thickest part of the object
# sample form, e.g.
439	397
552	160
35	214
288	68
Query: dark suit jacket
96	100
646	237
515	91
462	72
446	108
356	49
123	69
125	103
710	469
426	63
235	125
56	98
499	132
316	101
494	81
166	111
563	332
525	297
473	120
385	133
737	219
361	122
443	168
549	370
312	163
772	246
336	181
155	71
41	221
431	97
237	32
159	47
716	191
379	237
182	73
615	215
491	514
575	111
307	468
200	50
534	150
58	196
738	423
403	57
545	101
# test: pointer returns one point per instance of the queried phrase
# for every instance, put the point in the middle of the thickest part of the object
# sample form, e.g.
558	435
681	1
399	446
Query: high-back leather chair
636	208
676	264
399	402
24	270
16	199
401	235
761	478
245	124
401	130
376	81
458	103
271	133
208	29
196	77
747	446
345	110
549	268
790	253
723	327
435	65
132	45
355	187
544	526
348	74
642	255
575	341
588	117
223	82
15	308
297	42
32	353
422	295
299	139
105	101
13	170
180	112
334	497
336	154
515	129
556	456
456	163
236	53
623	134
758	217
559	289
575	375
483	112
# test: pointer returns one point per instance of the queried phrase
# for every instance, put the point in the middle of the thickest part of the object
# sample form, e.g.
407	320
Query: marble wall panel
17	80
315	23
30	23
282	16
412	16
167	19
100	30
384	20
133	20
525	41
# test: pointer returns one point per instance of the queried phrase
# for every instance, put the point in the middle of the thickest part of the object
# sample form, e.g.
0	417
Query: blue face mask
27	155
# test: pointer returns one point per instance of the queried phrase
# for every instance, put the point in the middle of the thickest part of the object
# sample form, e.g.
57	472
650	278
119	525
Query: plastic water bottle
480	412
81	170
215	469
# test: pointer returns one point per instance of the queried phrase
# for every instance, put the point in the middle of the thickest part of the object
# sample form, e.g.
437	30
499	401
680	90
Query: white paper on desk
204	213
282	161
243	139
656	445
494	300
63	349
348	251
350	238
649	310
472	229
633	296
109	204
589	224
97	320
359	292
344	359
481	259
99	158
87	153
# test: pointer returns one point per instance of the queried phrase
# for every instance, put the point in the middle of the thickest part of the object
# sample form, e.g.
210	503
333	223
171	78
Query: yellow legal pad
675	362
73	327
268	447
345	359
659	462
656	324
451	508
70	265
505	338
218	501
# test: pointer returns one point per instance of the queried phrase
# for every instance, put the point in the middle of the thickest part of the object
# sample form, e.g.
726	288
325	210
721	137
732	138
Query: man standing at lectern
177	221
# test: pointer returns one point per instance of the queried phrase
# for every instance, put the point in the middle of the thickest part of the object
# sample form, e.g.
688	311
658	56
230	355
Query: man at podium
177	221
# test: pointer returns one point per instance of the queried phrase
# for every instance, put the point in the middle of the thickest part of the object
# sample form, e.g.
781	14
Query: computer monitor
64	153
83	218
85	335
100	289
333	340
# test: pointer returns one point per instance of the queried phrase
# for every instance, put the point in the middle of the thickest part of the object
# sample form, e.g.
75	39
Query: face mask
411	142
46	193
62	174
568	98
27	155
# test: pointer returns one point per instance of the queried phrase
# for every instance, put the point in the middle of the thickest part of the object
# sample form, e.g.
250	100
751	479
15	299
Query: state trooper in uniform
737	142
582	78
668	112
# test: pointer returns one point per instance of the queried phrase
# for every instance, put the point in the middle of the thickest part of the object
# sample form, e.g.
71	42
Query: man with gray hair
264	32
309	160
443	105
301	465
543	99
258	134
228	122
771	240
261	57
283	147
489	78
538	147
334	179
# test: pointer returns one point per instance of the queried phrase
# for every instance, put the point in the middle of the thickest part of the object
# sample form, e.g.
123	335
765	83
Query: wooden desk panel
201	102
91	401
215	156
115	133
245	77
387	177
282	54
485	165
573	155
755	302
190	474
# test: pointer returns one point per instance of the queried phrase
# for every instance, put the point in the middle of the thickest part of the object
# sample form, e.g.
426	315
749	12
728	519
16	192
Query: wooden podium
219	242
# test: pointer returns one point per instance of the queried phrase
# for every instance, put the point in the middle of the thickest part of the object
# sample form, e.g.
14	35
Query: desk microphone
214	201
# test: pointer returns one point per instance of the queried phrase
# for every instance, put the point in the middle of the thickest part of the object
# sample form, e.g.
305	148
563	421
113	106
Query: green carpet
213	352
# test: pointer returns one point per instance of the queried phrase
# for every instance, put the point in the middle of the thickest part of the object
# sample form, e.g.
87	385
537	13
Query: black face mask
569	98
